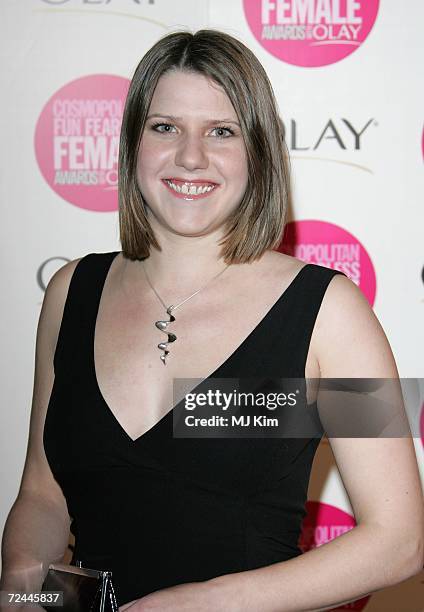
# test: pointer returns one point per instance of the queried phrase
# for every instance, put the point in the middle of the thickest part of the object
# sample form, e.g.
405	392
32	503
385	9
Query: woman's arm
37	528
380	476
36	534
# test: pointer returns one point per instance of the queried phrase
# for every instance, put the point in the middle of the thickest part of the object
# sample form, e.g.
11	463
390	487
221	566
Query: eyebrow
209	121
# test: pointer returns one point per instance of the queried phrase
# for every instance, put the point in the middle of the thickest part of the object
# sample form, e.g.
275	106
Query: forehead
190	94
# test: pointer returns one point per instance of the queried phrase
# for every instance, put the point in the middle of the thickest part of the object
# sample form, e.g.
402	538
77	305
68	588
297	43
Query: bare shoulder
348	339
59	282
280	265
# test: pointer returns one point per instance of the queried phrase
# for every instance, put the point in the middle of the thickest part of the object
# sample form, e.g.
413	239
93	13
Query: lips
190	190
181	181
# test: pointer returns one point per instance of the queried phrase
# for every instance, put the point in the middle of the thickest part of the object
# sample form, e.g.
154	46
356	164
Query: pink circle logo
77	141
322	524
332	246
310	33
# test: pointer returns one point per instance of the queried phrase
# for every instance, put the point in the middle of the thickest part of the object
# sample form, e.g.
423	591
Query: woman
202	524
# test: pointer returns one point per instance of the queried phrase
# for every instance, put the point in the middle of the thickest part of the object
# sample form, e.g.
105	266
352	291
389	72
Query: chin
182	223
190	232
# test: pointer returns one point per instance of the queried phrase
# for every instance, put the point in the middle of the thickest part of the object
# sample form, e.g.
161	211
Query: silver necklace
162	325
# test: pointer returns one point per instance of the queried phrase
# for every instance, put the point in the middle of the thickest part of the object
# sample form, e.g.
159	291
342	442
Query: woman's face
192	164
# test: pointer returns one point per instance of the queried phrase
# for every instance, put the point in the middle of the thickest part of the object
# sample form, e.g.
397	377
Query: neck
183	265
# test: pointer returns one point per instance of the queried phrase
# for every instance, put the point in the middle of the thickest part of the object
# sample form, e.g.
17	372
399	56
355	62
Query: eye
165	128
156	127
221	129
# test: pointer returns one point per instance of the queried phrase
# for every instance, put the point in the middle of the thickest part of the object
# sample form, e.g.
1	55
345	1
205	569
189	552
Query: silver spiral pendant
162	325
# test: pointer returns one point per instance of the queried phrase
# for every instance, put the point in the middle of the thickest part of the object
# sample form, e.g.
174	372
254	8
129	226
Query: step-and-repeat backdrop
346	74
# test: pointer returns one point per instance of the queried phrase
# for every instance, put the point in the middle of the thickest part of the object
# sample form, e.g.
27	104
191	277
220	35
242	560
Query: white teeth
190	190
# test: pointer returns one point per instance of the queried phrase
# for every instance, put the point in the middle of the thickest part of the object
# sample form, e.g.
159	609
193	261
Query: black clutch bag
84	589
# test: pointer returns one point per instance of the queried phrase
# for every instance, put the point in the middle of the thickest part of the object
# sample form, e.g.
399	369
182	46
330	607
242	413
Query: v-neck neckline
168	414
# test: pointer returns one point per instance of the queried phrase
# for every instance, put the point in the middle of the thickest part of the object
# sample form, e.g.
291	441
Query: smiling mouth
189	190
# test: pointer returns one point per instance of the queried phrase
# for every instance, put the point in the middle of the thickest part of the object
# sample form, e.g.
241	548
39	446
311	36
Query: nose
191	153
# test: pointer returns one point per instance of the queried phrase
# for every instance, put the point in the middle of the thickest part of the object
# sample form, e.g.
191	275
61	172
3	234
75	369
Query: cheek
150	155
234	165
146	162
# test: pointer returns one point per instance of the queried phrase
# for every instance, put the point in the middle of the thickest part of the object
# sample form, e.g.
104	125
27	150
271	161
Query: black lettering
356	134
330	127
293	133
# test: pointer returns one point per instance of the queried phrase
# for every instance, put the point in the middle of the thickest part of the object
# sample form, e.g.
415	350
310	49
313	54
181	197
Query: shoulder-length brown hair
258	222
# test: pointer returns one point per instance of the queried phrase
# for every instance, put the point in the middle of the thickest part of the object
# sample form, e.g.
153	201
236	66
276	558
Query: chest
138	388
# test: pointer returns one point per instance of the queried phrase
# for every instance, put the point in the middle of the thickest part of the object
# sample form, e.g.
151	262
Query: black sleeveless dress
159	511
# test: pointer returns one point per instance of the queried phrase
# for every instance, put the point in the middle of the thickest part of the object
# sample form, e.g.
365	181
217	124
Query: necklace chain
163	325
187	298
